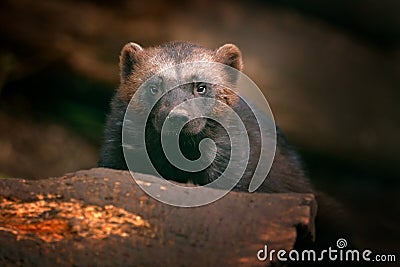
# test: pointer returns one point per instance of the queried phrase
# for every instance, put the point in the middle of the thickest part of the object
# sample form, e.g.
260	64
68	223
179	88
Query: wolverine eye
153	89
201	89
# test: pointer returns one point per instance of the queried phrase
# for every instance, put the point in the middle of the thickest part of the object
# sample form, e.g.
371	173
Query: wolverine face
191	115
168	77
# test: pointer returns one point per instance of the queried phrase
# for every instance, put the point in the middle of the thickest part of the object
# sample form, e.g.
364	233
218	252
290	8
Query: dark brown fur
138	64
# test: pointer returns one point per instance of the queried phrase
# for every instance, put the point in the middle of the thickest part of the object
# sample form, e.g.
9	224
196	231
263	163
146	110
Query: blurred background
330	70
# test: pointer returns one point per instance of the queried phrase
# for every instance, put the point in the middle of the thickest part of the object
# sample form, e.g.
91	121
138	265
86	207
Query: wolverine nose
178	116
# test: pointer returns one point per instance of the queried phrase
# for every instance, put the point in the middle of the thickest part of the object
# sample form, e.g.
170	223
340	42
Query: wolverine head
177	78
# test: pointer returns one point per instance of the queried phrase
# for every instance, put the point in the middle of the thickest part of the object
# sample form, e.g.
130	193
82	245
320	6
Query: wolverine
138	65
140	76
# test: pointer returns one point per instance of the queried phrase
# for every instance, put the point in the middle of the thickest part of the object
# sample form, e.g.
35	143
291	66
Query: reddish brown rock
100	217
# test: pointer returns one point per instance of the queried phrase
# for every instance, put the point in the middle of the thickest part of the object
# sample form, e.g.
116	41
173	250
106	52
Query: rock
101	217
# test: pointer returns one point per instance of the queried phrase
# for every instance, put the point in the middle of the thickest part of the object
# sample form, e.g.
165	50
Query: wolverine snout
179	116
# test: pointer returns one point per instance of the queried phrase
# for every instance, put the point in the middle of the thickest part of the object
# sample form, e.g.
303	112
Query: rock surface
101	217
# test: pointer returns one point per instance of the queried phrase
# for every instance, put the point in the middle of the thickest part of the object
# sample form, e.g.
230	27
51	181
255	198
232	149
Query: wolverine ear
128	58
229	54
